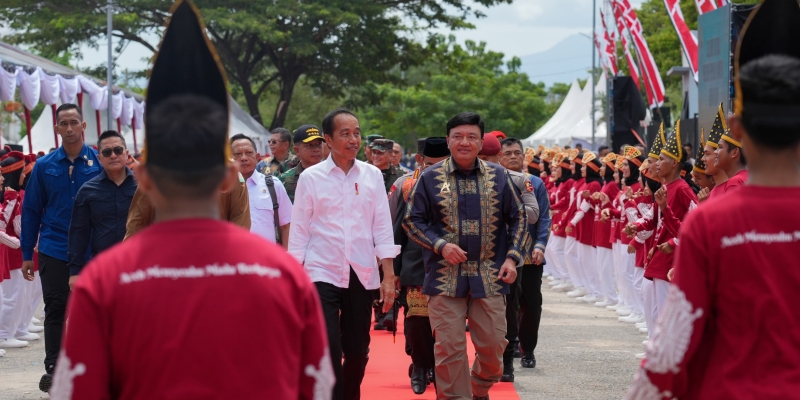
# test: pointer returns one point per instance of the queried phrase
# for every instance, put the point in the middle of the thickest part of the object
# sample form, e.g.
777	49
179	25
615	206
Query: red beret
491	146
499	135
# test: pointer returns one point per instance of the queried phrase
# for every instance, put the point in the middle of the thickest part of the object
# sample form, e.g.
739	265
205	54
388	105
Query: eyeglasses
117	150
275	141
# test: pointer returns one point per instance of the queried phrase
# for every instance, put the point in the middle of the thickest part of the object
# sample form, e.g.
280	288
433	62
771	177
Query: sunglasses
117	150
275	141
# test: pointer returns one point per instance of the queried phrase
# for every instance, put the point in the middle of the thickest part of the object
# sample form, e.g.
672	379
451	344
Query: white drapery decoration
39	86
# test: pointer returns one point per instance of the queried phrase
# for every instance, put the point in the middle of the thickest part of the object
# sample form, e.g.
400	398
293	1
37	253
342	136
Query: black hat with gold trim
718	129
186	65
673	148
658	143
728	138
768	31
699	165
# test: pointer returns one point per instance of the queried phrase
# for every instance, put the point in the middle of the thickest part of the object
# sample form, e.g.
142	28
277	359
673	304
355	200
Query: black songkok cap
436	147
186	65
421	146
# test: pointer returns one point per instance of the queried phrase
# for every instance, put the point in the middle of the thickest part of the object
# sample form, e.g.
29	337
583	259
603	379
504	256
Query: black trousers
419	339
530	301
512	319
54	274
347	317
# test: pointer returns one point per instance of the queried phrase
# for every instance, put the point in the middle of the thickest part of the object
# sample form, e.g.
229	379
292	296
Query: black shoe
379	326
508	373
388	321
517	352
432	377
419	380
46	382
528	360
410	369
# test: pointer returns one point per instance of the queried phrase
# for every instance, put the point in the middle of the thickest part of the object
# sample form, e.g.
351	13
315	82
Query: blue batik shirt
479	211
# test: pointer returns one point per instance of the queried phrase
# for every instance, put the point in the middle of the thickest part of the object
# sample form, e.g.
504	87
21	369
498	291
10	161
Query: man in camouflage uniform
382	158
281	159
308	142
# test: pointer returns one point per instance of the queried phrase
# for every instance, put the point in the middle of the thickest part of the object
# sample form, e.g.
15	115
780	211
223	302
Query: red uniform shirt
602	229
563	198
730	327
733	183
159	316
567	215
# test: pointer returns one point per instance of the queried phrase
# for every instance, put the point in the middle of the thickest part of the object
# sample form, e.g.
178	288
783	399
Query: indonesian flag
599	48
610	48
721	3
650	69
688	39
633	68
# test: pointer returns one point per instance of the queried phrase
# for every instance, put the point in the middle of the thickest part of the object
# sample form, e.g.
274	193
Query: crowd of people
146	266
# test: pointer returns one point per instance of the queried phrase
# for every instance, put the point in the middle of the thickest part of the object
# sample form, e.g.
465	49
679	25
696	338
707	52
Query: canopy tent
39	79
572	124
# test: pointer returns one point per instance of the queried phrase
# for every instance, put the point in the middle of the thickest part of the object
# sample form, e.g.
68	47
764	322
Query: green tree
335	44
462	78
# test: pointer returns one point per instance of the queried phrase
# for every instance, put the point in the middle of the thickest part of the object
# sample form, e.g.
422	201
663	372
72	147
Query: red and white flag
650	69
609	48
688	39
721	3
600	54
633	68
704	6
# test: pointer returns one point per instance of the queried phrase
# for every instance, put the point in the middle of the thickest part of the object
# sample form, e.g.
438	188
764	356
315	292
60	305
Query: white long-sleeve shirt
340	221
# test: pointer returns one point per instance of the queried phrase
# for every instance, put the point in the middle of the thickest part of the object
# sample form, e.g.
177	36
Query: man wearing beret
382	158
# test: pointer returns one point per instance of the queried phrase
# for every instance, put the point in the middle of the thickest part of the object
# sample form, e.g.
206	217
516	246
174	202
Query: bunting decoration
652	76
687	38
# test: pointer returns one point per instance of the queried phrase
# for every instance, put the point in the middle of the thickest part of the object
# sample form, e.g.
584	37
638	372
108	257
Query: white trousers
556	247
30	304
607	274
572	262
619	273
633	298
550	267
638	281
14	304
587	263
655	294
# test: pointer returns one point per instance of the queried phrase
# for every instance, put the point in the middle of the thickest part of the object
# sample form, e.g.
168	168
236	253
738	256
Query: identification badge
90	162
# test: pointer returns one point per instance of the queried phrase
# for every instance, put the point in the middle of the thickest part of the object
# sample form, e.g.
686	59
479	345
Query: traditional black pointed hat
771	29
699	165
718	129
672	146
186	64
658	143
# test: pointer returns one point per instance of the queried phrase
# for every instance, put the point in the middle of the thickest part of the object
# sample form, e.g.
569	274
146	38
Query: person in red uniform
125	339
731	159
730	327
582	221
602	241
571	252
561	198
709	157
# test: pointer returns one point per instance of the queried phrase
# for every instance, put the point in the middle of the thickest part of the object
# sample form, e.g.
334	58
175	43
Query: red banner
633	68
649	67
704	6
609	48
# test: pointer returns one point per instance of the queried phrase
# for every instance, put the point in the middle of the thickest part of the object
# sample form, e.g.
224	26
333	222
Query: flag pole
109	79
594	32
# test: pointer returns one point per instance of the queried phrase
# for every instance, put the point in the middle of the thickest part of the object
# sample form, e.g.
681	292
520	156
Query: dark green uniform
390	176
290	178
271	165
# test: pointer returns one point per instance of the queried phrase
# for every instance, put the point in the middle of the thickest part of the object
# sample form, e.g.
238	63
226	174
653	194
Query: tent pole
55	123
28	128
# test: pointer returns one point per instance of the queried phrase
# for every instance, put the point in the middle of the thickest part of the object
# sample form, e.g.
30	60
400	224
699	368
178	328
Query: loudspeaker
627	109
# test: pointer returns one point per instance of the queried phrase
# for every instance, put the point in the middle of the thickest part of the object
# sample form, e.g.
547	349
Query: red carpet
387	371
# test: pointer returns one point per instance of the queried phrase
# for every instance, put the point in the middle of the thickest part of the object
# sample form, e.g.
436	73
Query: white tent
572	124
41	80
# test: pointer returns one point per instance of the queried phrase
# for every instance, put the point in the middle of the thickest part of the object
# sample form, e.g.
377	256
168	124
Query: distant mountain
567	60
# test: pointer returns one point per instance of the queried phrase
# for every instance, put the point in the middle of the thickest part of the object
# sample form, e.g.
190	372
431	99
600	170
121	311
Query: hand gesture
508	272
702	195
569	228
603	197
585	194
630	230
453	254
605	215
671	274
661	197
665	248
628	192
631	249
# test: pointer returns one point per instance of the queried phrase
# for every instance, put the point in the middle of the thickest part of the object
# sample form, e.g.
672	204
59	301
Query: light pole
109	79
594	55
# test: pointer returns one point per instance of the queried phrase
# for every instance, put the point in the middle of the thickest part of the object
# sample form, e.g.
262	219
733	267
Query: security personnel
382	158
308	142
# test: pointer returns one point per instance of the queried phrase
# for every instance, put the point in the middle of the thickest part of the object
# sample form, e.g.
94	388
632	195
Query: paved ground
583	353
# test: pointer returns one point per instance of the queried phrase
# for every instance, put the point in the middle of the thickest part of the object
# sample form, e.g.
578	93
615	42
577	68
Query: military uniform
390	176
290	178
275	167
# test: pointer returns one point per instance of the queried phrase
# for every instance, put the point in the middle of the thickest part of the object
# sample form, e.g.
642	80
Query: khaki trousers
487	328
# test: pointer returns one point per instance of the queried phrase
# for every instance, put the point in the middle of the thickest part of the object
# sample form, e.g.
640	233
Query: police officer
308	142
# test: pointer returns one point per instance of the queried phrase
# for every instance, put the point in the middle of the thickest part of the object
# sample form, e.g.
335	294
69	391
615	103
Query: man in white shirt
340	225
262	213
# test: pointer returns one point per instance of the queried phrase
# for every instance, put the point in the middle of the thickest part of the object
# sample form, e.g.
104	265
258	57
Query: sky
518	29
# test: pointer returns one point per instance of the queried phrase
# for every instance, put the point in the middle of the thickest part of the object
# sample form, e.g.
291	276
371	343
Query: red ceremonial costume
146	323
736	181
731	311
